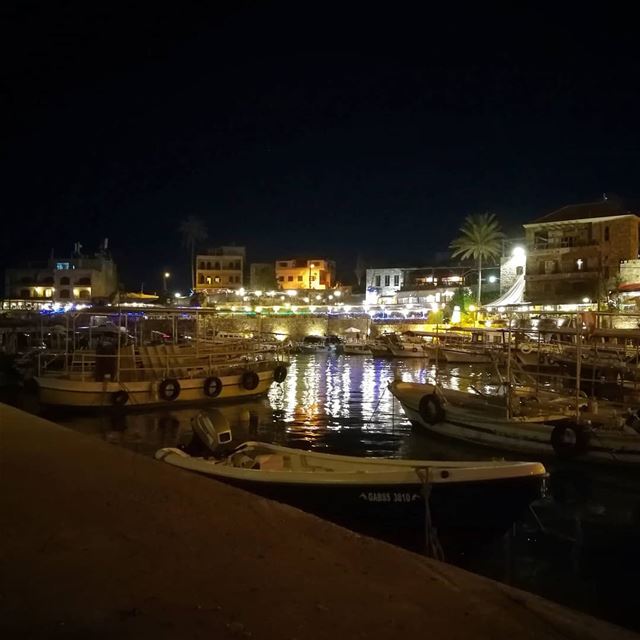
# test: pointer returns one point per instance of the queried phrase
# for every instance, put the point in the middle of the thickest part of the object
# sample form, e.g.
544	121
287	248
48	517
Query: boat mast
578	362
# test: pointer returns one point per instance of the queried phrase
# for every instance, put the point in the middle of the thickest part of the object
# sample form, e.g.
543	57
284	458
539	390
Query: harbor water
577	546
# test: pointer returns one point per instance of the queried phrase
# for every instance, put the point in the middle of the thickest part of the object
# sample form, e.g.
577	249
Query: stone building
574	253
220	268
78	278
306	273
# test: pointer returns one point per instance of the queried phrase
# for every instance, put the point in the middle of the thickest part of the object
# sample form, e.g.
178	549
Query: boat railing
129	363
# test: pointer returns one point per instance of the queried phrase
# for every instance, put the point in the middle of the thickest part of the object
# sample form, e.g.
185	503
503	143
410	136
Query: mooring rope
433	548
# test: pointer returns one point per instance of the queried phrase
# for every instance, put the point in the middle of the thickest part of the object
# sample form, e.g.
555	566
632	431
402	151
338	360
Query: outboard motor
211	431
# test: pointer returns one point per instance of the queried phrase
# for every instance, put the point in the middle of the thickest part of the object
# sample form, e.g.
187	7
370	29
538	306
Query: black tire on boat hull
169	389
569	440
431	409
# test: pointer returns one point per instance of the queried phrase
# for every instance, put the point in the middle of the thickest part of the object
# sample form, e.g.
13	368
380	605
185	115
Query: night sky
319	128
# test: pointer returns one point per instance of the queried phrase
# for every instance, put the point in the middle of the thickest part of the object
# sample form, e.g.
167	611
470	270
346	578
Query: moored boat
147	376
522	421
469	502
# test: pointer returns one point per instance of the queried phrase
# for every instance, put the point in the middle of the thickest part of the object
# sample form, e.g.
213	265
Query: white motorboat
469	501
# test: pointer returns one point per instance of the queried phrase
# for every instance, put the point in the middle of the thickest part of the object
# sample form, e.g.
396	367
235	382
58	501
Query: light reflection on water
341	404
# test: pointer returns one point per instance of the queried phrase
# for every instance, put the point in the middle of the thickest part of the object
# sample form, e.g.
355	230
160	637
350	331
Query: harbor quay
101	542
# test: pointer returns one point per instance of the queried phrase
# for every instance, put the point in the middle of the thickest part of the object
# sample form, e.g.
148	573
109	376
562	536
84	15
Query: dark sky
309	127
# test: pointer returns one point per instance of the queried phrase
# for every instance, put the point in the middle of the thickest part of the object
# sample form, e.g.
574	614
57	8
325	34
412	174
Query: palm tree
480	239
192	231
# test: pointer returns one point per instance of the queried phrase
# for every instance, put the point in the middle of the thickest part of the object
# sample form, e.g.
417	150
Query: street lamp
167	275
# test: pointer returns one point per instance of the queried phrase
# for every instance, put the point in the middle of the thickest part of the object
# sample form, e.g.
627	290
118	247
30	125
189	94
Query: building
382	285
309	273
574	253
78	278
220	268
415	284
262	276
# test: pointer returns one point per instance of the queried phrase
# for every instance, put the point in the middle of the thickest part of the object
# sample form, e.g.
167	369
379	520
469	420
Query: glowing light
312	308
434	306
318	297
287	305
472	307
276	308
455	316
167	274
586	300
518	252
292	293
337	294
306	299
271	294
280	336
487	324
294	308
492	279
579	262
247	308
330	297
241	291
258	309
177	294
258	293
501	309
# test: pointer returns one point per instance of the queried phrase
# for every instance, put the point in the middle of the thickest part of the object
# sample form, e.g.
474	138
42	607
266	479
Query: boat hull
465	514
526	436
88	394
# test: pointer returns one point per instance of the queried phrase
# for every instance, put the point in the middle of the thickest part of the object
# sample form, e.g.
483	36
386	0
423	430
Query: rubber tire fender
119	398
431	409
564	449
169	389
280	373
249	380
212	387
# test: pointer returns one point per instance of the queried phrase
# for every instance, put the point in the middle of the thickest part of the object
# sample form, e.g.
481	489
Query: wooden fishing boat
468	501
523	420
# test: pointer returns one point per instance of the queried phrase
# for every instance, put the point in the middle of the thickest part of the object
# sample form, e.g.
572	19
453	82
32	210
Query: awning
514	296
629	286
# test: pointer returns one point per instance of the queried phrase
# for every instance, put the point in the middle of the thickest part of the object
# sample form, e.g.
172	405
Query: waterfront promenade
100	542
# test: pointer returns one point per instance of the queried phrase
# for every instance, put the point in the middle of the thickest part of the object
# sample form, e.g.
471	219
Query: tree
481	240
360	269
192	231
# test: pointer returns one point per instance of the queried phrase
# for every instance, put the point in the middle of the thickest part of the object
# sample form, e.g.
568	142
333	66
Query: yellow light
337	294
258	293
258	309
167	274
472	307
292	293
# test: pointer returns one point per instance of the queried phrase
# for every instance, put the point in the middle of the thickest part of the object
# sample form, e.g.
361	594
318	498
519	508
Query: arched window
201	265
217	266
64	293
84	294
65	280
200	279
84	281
209	265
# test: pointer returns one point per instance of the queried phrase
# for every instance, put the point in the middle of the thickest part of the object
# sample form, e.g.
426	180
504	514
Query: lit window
217	279
208	279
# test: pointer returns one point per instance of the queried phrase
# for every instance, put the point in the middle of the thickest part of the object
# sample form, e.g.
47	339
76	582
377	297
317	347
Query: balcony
562	275
559	246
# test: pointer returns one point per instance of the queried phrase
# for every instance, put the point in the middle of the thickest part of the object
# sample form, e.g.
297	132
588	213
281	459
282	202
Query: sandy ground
100	542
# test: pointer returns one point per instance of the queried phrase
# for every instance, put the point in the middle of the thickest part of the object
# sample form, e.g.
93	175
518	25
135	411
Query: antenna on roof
604	196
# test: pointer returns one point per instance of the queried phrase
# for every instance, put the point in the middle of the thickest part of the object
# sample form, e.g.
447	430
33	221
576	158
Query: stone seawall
297	327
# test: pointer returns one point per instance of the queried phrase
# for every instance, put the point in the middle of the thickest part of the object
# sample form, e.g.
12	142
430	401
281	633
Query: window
209	266
84	294
300	278
216	266
396	281
387	281
65	293
238	279
200	279
312	278
208	279
606	234
65	280
217	279
289	278
85	281
201	265
519	270
280	278
377	281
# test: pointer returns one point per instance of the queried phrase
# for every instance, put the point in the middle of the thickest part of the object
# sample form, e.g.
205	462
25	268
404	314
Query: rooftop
601	209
